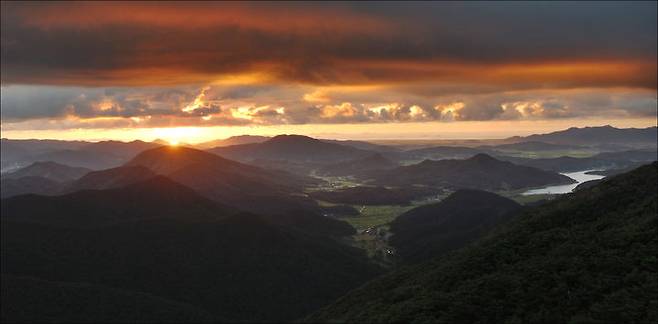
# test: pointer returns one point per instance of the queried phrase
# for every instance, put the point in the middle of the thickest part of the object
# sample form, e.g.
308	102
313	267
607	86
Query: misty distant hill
533	146
10	187
104	179
584	257
358	167
229	182
49	170
16	154
596	136
478	172
123	150
233	140
95	156
606	160
294	148
431	230
628	156
561	164
22	147
443	152
81	158
363	145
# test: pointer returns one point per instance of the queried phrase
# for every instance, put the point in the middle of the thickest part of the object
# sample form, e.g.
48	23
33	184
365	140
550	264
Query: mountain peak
482	157
50	170
111	178
46	164
292	138
160	141
166	159
375	157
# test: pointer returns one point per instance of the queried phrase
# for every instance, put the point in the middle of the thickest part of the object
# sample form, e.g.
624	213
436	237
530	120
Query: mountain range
295	148
254	232
232	183
49	170
478	172
605	160
10	187
157	241
156	198
91	155
233	140
360	167
586	257
596	136
533	146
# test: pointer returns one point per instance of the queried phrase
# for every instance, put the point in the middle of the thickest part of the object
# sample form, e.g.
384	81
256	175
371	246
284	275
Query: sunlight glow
198	101
178	135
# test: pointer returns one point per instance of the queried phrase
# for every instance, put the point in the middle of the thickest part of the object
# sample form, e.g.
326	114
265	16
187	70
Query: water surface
579	176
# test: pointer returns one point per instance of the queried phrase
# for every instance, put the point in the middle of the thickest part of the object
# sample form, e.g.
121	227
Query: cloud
214	105
480	45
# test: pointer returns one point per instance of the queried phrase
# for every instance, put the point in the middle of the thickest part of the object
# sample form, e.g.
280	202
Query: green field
372	216
333	183
577	153
517	195
524	200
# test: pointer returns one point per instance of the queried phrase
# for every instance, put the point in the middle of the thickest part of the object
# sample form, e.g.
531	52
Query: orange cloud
200	15
172	43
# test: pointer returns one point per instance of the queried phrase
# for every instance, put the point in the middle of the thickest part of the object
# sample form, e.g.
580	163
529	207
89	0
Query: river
579	176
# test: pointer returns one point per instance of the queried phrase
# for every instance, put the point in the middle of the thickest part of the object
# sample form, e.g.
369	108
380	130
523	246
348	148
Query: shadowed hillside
31	300
294	148
607	160
478	172
232	183
586	257
27	185
361	167
110	178
49	170
162	239
155	198
428	231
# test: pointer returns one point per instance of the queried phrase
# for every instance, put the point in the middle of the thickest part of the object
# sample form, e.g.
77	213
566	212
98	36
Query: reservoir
579	176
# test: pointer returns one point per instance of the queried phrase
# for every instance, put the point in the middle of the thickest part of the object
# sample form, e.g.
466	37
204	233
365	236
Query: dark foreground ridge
586	257
161	245
433	229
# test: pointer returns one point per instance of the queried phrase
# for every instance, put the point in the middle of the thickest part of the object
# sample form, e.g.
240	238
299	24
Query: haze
134	70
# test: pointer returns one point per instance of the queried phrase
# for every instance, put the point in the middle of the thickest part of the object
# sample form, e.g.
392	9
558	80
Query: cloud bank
145	64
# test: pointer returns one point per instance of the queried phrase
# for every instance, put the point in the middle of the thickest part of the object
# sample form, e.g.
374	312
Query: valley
453	162
215	223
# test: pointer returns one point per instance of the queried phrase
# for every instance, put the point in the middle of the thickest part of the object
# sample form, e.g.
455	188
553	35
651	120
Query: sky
195	71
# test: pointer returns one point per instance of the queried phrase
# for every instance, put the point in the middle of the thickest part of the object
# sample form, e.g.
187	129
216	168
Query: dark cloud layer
330	43
148	64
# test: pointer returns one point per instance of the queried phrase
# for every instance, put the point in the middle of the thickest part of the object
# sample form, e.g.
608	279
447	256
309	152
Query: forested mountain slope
588	257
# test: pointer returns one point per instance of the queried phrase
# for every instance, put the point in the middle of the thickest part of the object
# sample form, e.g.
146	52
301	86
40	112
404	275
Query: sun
177	135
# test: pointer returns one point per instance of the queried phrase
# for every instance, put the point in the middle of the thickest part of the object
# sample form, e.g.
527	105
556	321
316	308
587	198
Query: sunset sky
199	71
